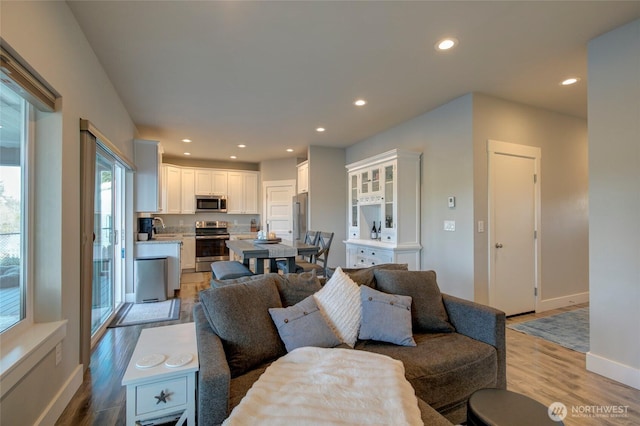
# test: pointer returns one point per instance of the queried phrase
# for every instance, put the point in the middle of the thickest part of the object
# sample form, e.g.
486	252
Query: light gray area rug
568	329
143	313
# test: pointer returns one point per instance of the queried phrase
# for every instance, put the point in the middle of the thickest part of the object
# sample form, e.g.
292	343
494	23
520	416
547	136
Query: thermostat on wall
452	201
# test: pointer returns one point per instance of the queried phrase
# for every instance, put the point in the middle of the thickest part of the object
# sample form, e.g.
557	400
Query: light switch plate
449	225
481	226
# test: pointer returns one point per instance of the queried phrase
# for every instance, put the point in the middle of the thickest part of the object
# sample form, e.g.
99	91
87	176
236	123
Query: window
14	113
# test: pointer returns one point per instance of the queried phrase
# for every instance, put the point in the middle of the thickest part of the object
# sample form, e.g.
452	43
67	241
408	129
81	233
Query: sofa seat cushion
445	368
239	386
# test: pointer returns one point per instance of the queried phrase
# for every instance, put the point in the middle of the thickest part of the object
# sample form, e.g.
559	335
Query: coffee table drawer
150	397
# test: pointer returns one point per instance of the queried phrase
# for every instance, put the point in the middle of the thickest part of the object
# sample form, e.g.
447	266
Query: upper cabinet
384	194
148	176
303	177
211	182
172	189
242	192
181	185
188	204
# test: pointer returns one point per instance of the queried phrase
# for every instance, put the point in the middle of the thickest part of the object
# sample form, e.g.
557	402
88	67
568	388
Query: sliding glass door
107	260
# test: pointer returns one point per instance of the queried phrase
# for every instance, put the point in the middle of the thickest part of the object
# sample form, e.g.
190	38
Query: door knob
498	245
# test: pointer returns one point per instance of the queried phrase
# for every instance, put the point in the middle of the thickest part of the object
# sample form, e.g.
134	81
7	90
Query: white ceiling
266	74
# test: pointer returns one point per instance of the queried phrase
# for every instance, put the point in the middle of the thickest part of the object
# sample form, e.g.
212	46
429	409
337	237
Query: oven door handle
212	237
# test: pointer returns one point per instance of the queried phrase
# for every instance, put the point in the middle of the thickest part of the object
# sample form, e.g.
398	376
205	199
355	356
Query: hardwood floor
551	373
101	397
535	367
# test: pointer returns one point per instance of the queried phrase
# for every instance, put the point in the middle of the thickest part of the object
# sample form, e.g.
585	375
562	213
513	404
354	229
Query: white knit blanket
318	386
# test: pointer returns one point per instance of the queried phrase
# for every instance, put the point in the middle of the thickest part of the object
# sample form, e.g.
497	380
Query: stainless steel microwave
211	203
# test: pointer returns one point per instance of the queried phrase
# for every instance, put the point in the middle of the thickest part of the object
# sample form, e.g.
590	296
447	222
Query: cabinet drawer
147	402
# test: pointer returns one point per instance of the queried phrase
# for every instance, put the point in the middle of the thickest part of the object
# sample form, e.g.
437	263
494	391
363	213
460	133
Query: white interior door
279	207
513	226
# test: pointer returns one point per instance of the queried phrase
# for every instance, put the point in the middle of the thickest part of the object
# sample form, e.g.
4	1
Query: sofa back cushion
365	276
239	315
294	288
222	283
427	309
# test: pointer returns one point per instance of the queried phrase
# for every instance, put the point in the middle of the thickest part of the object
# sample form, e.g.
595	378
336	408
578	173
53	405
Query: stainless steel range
211	244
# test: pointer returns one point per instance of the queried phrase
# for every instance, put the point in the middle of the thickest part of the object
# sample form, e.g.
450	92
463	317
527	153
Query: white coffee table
159	391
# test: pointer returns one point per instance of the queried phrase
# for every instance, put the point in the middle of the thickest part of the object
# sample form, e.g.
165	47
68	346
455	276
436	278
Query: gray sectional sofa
237	340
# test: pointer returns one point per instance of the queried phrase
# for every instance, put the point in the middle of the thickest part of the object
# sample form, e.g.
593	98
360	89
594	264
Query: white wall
47	36
282	169
614	204
564	233
327	198
453	141
444	138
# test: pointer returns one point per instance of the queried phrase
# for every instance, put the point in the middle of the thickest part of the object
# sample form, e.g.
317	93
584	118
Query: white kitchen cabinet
172	189
211	182
148	176
188	203
242	195
384	190
188	255
303	177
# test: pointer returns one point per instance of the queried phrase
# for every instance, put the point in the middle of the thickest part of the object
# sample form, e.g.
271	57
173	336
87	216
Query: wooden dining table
285	249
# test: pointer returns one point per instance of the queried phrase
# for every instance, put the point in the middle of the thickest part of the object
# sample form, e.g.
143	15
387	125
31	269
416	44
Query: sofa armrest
481	323
214	376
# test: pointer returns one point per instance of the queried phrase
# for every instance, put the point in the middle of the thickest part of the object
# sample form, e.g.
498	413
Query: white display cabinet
385	190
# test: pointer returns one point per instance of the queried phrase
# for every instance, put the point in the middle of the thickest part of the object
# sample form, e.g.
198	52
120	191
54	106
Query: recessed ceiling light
186	140
446	44
570	81
187	153
320	129
233	157
242	145
289	150
360	102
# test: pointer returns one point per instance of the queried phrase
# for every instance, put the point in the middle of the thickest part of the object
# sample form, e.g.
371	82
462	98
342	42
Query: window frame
27	242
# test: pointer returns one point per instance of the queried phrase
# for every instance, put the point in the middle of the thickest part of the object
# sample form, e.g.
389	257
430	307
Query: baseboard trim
562	302
57	405
613	370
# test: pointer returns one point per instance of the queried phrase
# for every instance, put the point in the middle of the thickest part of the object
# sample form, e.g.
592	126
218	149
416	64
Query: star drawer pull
162	397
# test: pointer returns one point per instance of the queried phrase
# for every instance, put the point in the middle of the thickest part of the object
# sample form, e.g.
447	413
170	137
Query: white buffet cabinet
385	190
164	247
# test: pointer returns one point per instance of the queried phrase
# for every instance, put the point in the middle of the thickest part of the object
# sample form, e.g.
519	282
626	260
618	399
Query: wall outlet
58	353
449	225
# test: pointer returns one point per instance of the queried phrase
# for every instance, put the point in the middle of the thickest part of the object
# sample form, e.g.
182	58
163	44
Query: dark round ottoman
498	407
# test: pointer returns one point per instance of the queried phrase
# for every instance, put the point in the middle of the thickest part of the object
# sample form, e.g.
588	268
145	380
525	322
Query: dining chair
318	261
311	238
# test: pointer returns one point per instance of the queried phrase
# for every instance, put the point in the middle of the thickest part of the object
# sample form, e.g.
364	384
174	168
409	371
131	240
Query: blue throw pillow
385	317
303	325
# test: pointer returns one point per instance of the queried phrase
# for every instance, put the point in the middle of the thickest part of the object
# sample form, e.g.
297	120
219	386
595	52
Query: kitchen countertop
161	241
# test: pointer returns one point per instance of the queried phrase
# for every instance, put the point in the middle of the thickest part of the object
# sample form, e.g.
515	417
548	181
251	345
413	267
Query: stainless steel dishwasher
150	279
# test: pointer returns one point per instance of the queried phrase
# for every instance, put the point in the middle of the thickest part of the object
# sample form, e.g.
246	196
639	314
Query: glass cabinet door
354	200
364	183
389	196
375	180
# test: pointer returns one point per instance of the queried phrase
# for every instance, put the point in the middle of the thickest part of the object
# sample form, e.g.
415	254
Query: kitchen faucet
160	220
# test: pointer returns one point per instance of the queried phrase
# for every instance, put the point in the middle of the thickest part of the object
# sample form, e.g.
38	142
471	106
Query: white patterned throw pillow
339	302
